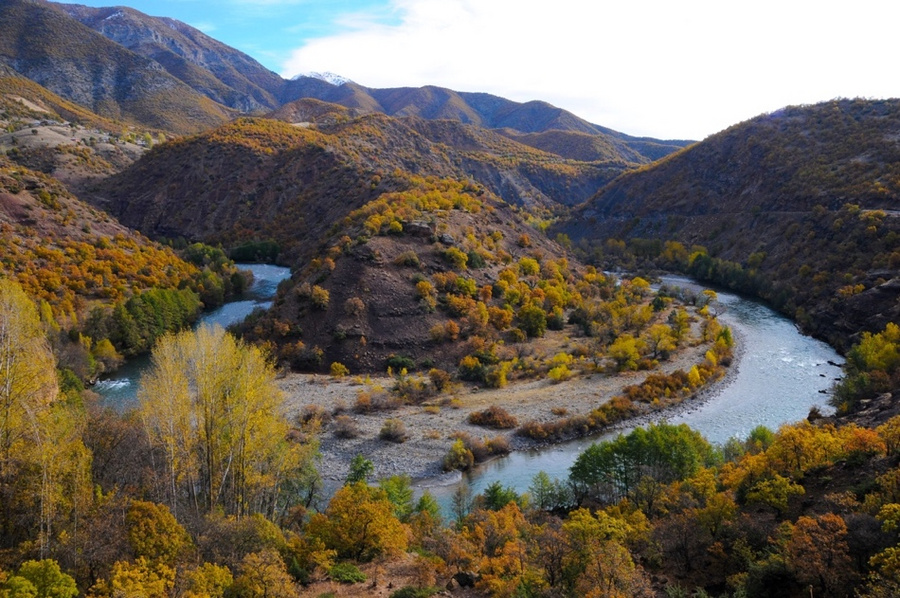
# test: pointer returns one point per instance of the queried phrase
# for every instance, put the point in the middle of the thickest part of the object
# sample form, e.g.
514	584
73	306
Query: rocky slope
219	72
41	42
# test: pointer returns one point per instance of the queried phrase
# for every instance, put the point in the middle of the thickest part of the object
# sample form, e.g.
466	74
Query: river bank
431	427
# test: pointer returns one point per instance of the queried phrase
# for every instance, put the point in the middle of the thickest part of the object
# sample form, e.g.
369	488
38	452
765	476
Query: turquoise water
780	376
119	389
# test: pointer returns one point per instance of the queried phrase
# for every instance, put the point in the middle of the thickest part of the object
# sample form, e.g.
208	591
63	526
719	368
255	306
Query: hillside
47	133
263	179
799	207
221	73
104	291
41	42
363	209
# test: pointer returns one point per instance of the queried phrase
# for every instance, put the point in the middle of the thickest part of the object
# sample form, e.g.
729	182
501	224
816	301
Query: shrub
560	373
408	259
393	430
533	320
345	427
498	446
516	335
440	379
346	573
493	417
319	297
458	259
338	369
401	362
354	306
458	457
476	260
310	413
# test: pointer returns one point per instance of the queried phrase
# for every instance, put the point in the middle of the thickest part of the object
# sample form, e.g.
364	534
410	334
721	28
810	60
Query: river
781	374
119	389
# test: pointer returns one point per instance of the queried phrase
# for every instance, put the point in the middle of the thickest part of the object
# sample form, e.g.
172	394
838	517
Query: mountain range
763	201
161	73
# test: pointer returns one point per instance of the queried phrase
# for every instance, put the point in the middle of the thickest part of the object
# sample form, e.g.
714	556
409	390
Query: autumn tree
210	404
43	463
817	553
359	523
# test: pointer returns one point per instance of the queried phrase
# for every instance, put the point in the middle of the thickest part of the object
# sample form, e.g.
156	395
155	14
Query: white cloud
656	67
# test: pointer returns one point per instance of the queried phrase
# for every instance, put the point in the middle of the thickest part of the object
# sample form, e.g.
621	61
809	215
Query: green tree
398	489
533	320
48	580
361	469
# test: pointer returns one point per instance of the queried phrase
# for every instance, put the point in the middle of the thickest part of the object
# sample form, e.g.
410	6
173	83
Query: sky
670	69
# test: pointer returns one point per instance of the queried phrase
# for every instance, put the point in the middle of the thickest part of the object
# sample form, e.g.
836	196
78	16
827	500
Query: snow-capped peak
327	77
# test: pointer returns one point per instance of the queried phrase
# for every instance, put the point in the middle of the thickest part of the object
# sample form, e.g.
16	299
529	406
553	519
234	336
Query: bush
408	259
401	362
393	430
310	413
354	306
319	297
338	369
346	573
493	417
458	457
345	427
533	320
458	259
440	379
560	373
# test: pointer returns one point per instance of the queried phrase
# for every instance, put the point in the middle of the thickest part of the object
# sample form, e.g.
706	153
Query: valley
461	277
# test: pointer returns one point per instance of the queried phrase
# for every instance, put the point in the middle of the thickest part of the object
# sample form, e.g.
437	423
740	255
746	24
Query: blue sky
660	68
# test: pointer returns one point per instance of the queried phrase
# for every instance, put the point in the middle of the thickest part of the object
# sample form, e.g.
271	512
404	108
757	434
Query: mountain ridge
162	73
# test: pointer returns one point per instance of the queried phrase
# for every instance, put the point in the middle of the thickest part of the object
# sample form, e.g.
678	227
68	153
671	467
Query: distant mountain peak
328	77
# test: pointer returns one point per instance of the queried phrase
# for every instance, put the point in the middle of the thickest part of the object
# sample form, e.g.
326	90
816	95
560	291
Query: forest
206	490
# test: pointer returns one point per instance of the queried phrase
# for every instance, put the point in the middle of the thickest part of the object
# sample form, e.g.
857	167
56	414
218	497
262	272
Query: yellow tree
211	405
40	446
359	523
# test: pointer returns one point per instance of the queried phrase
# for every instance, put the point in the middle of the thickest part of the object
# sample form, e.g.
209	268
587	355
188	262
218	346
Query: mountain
220	73
160	73
800	207
41	42
490	112
344	200
267	179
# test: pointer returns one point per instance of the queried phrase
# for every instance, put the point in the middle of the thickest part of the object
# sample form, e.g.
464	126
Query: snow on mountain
327	77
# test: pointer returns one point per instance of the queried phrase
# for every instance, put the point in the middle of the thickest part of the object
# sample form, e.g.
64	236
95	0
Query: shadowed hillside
798	207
